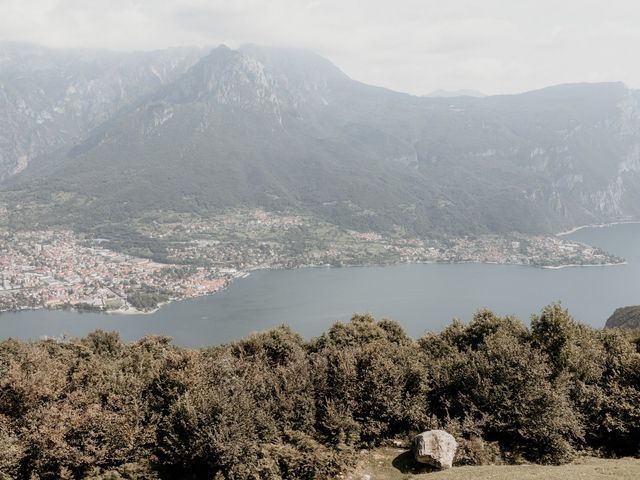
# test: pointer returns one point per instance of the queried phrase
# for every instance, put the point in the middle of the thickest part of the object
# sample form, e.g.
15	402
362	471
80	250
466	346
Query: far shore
558	267
597	225
134	311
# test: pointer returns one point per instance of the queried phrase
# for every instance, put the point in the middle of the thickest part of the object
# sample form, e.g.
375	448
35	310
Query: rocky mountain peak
252	77
228	77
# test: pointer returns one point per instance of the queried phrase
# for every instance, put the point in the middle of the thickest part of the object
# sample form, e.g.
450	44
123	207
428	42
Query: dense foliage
146	300
275	406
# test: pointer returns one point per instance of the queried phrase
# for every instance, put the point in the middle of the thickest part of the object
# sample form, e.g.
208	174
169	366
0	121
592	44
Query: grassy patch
398	464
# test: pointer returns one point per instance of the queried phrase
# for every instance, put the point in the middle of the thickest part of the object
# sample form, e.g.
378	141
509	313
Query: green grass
398	464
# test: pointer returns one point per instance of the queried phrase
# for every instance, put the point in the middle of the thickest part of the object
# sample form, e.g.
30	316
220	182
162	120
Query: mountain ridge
286	129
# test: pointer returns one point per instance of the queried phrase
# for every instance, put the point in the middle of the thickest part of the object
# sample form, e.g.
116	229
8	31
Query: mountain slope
286	129
53	98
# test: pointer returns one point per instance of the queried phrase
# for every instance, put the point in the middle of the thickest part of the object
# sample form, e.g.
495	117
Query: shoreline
134	312
558	267
597	225
246	272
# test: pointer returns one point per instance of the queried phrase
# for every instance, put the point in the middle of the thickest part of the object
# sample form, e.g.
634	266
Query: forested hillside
275	406
286	130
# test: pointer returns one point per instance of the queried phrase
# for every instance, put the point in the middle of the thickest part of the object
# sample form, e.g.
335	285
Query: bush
496	380
370	382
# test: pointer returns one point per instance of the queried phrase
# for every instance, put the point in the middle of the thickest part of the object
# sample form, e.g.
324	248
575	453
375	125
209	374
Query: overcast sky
416	46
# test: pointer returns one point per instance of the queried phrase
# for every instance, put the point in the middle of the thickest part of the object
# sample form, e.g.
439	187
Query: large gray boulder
436	448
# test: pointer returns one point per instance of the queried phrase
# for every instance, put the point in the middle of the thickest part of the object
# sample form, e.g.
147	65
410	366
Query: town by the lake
62	269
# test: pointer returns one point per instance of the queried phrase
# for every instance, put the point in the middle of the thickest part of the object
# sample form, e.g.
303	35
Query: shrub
499	382
370	382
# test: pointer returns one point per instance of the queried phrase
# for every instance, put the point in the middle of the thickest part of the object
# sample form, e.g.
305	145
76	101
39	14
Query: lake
420	297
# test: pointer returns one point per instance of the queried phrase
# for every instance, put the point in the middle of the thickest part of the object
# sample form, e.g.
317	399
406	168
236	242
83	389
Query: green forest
274	406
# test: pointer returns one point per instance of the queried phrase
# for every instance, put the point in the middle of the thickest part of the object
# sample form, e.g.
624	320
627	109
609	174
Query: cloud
410	45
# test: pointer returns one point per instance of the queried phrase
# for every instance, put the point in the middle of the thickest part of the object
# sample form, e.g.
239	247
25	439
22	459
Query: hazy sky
415	46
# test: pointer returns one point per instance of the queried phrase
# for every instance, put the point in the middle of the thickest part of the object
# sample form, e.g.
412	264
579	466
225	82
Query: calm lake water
420	297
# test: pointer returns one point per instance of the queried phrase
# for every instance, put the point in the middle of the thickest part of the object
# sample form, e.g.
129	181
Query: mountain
286	129
53	98
625	317
455	93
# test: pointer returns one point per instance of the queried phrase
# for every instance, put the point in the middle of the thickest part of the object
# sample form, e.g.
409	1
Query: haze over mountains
54	98
440	93
97	136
